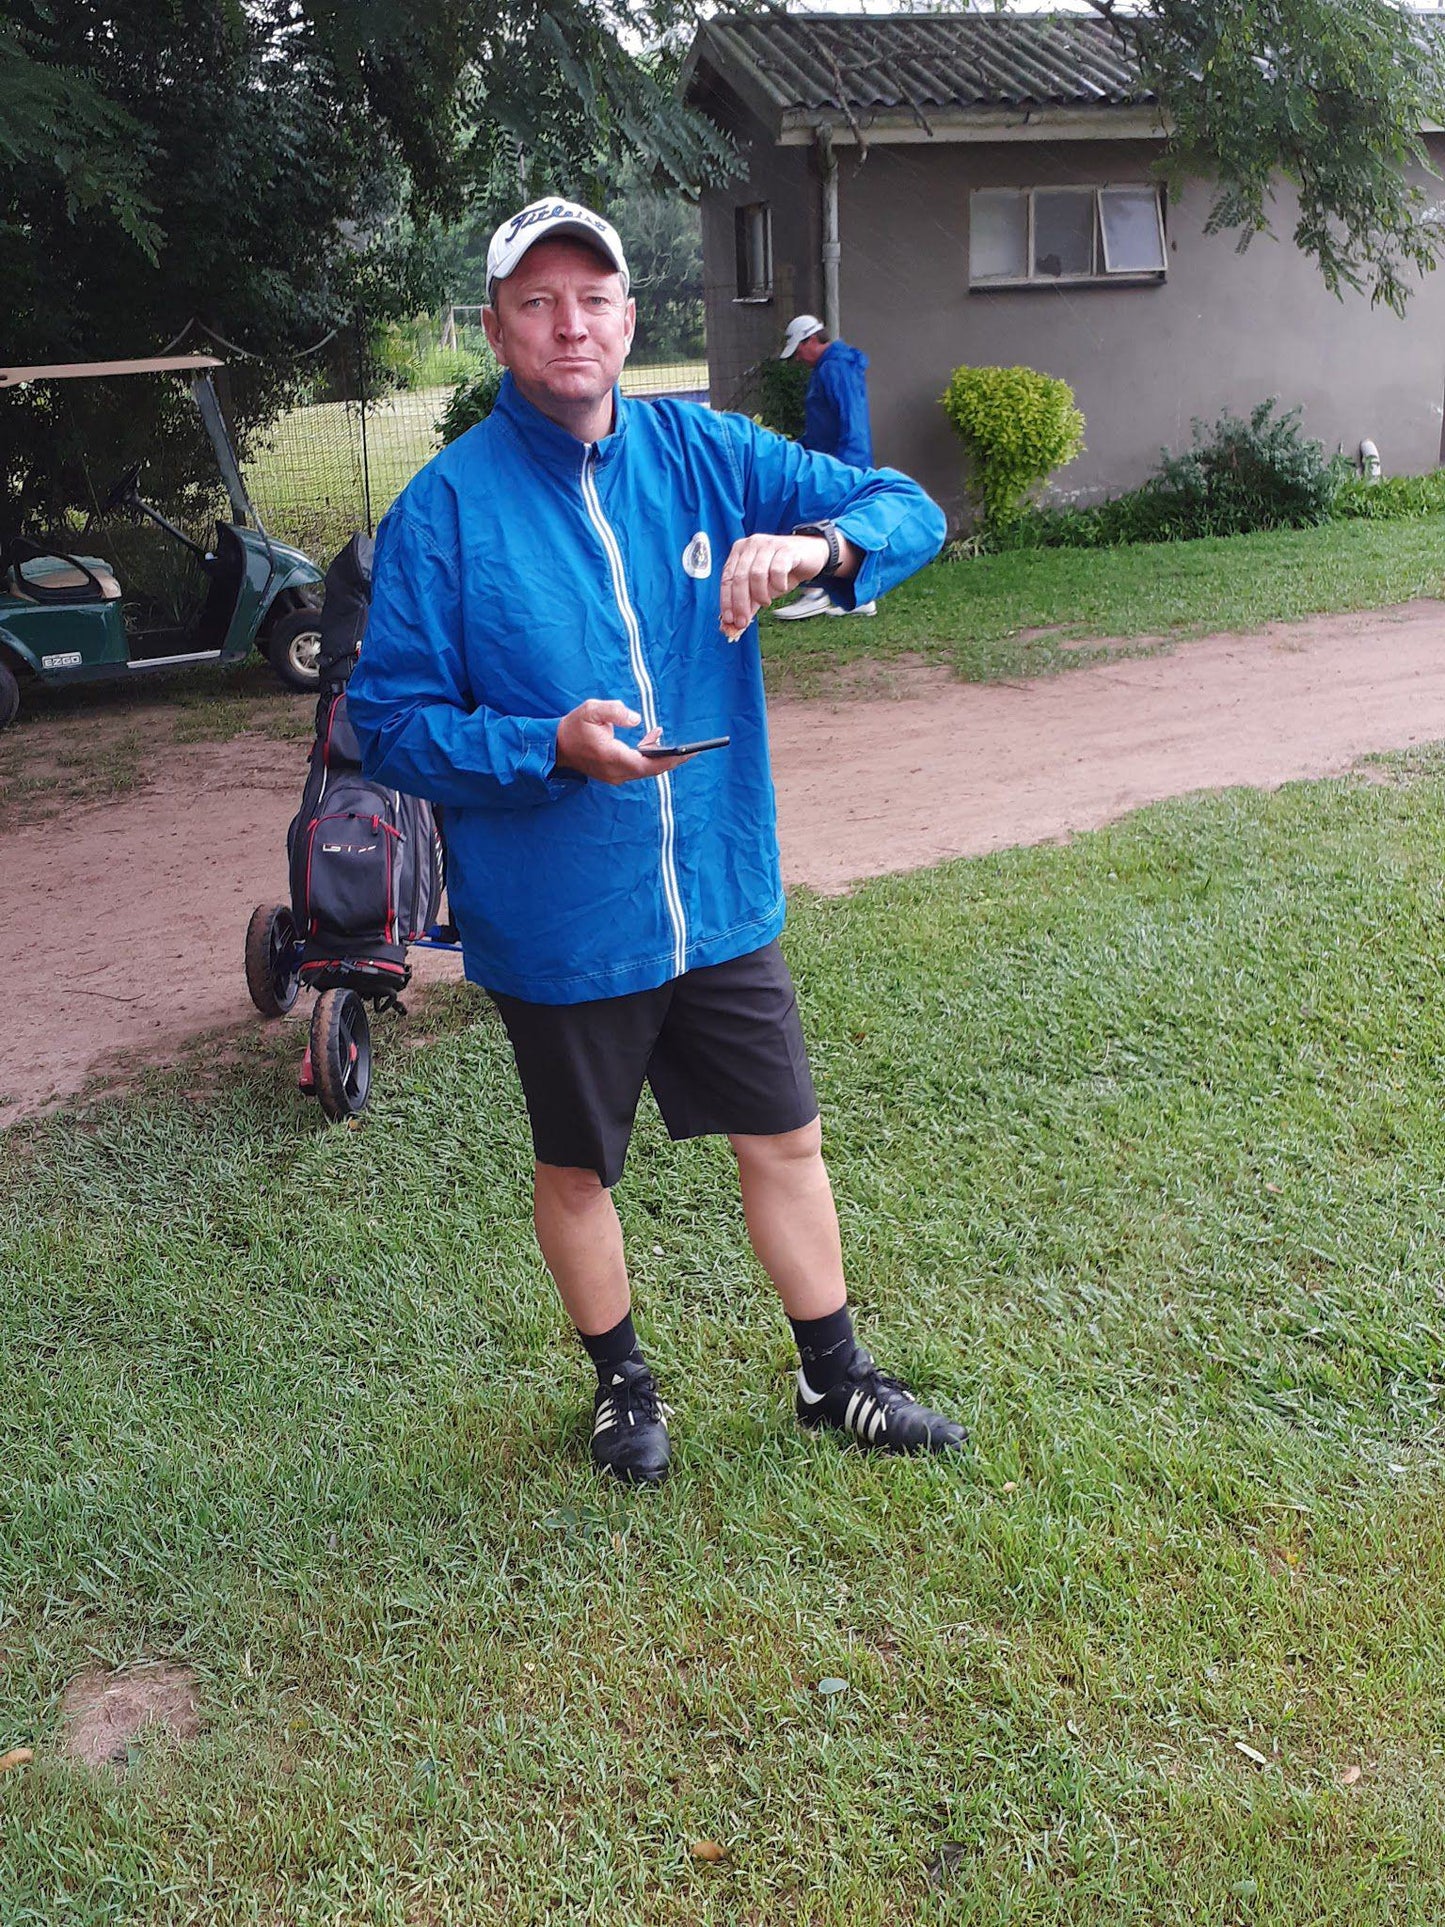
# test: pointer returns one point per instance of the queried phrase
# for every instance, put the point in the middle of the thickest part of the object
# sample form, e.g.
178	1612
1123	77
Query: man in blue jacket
575	578
835	422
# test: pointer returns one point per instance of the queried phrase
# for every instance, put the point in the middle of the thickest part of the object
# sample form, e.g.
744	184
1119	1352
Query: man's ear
493	327
631	322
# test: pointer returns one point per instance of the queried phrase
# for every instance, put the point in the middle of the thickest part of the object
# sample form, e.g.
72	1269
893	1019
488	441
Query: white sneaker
863	609
812	602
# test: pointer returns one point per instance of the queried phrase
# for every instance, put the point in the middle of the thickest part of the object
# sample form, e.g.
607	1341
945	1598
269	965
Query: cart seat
62	578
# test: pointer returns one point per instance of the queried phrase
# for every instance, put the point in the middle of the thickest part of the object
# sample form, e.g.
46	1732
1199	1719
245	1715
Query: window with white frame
753	231
1020	236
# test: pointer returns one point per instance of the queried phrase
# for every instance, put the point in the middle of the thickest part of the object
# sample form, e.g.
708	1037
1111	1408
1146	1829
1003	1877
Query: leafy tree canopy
247	171
1334	94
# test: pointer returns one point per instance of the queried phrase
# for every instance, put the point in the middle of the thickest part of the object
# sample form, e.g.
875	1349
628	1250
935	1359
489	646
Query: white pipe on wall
832	247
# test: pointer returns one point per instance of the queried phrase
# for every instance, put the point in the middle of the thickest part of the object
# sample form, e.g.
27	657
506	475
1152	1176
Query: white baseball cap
799	329
544	221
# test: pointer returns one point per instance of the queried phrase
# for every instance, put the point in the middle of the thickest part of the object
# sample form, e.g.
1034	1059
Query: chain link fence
366	416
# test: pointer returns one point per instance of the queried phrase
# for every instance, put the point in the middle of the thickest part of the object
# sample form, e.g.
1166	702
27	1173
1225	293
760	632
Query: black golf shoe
878	1412
629	1432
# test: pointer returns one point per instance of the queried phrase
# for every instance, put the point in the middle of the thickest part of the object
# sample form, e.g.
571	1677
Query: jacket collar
553	447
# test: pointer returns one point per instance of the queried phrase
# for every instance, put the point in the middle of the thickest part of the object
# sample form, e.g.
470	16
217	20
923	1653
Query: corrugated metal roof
862	65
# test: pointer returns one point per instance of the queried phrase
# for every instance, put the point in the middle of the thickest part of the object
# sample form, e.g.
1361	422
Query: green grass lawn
980	615
1139	1151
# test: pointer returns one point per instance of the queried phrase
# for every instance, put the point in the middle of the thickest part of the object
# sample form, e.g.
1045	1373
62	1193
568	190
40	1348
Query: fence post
361	398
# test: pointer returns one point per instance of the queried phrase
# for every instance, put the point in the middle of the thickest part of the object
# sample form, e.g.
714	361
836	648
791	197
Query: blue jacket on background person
835	408
522	572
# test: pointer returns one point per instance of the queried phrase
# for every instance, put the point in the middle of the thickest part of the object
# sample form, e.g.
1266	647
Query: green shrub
1247	474
471	402
1017	426
1238	476
781	388
1397	498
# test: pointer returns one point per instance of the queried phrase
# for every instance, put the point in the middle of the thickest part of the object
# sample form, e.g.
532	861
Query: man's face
810	352
562	325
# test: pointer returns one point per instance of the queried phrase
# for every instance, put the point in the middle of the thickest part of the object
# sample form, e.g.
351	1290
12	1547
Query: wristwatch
833	536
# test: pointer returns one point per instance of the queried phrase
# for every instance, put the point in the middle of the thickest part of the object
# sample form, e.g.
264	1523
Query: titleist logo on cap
554	211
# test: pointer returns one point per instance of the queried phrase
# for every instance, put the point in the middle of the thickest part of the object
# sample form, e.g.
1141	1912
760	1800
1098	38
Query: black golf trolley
367	873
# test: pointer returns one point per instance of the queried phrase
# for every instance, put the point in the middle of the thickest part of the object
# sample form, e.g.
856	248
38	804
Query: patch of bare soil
125	923
103	1713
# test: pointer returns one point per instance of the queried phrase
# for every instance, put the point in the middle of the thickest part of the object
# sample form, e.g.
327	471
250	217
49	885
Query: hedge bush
471	402
1018	427
1239	475
1246	473
781	388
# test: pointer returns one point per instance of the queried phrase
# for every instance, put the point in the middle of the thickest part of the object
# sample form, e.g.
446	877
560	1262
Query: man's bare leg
581	1241
793	1225
792	1220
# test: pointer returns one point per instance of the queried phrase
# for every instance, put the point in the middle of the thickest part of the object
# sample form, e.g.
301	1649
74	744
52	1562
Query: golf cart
68	617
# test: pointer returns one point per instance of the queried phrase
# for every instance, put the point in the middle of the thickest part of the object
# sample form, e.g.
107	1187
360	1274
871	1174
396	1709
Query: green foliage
782	386
471	402
1237	477
409	355
1331	93
1243	474
1017	426
1396	498
248	175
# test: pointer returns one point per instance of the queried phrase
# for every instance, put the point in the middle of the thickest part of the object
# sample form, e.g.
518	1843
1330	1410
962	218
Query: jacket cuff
541	760
864	586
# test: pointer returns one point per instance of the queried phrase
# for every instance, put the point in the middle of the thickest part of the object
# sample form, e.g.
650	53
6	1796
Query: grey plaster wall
1223	330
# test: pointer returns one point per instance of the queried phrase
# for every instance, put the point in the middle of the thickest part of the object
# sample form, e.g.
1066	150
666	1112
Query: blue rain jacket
523	571
835	407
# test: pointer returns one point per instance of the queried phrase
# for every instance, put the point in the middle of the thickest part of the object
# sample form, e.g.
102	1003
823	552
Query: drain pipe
832	248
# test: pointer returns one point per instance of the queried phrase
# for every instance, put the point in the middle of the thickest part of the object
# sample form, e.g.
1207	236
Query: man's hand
585	742
761	568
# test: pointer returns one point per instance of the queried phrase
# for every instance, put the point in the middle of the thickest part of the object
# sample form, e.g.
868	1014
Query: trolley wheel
271	959
341	1053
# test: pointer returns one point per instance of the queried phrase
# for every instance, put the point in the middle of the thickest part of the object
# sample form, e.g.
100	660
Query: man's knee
570	1187
783	1150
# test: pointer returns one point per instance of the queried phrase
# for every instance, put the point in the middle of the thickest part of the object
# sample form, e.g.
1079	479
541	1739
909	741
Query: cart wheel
271	959
293	649
341	1052
9	695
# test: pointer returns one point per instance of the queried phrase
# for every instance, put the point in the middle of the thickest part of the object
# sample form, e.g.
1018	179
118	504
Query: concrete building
984	189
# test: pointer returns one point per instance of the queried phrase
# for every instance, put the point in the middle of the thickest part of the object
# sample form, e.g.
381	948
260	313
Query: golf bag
367	865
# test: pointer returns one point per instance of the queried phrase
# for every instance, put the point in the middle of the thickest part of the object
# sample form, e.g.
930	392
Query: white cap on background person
550	220
799	329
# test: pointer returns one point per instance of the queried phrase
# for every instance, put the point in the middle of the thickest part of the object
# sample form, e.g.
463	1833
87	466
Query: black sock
607	1349
826	1347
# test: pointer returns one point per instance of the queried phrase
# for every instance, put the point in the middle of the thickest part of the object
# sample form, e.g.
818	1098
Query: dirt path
125	923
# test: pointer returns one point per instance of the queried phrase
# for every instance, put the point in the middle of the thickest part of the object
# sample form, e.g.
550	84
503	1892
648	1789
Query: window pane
753	229
1063	233
998	236
1129	217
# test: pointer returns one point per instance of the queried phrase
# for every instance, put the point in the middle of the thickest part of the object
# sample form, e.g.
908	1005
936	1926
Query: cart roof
73	370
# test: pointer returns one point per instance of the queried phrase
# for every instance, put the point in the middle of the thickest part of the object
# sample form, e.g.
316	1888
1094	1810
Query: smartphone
686	749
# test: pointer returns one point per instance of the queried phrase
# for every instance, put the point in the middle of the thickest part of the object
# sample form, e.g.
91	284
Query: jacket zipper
670	889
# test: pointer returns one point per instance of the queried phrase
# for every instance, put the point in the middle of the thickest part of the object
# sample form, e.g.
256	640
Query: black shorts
721	1046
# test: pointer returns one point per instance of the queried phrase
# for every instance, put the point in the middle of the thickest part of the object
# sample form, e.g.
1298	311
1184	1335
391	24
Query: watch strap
830	533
